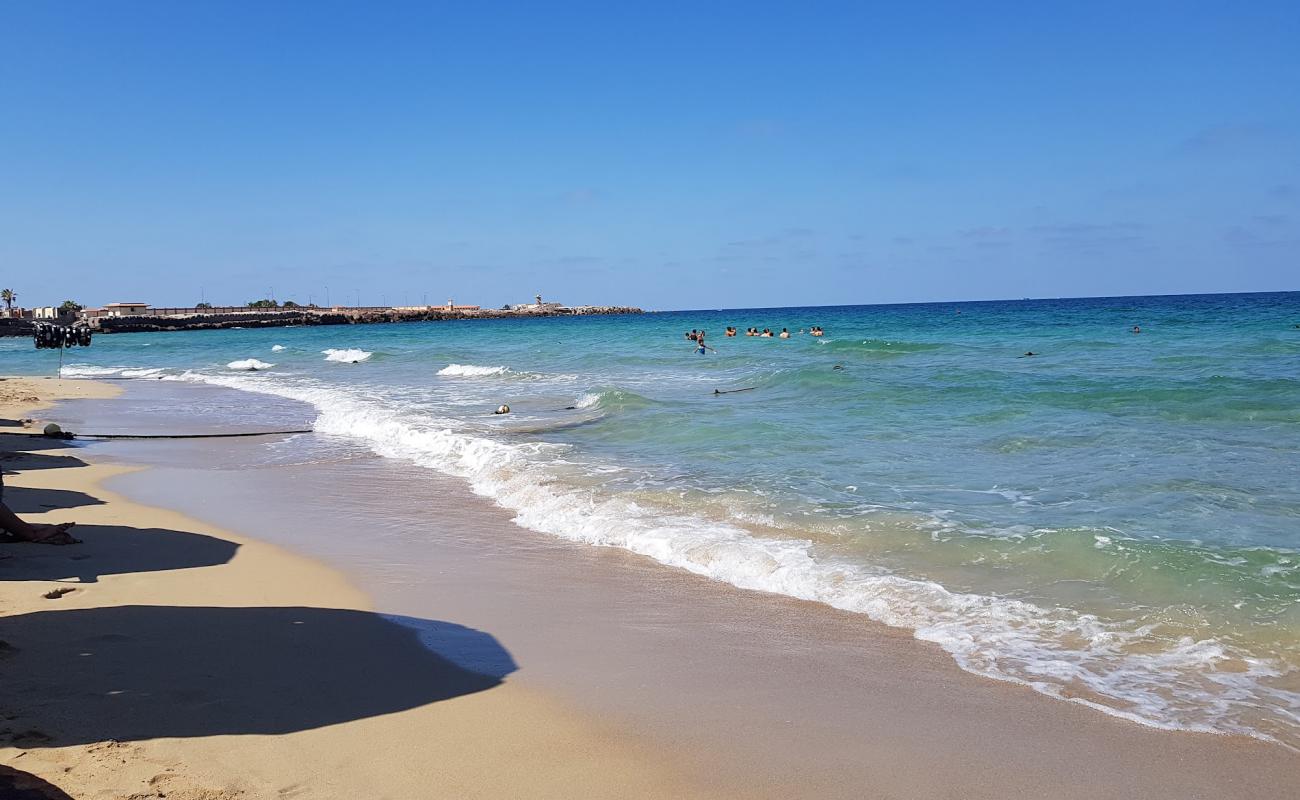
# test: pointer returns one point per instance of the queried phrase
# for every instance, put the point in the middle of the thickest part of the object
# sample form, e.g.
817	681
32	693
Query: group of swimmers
767	333
698	336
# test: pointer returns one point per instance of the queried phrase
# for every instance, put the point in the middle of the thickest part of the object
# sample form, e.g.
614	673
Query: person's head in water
1136	329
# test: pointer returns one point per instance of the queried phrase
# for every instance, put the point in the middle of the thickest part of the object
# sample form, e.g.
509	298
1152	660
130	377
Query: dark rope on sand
70	435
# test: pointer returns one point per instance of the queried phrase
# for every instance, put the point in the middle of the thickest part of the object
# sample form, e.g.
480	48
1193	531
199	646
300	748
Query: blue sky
660	154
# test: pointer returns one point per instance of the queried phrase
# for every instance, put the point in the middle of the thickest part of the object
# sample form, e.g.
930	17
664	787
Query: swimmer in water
766	334
1027	354
785	334
1136	329
731	331
817	331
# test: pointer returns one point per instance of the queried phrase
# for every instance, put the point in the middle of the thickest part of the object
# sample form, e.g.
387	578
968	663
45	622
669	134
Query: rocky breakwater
15	327
280	319
198	322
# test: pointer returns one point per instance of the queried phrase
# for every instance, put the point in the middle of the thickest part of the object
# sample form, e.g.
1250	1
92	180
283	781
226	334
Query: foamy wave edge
1000	638
471	371
347	356
92	371
249	365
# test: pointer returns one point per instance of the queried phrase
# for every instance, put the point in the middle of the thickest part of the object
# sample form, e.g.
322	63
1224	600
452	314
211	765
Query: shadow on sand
24	500
18	785
15	442
22	460
141	672
112	550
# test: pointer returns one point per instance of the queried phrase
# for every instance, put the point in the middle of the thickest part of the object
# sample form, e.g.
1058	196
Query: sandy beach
194	662
188	662
376	419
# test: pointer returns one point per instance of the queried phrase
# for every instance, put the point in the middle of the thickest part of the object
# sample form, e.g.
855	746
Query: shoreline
192	662
679	664
681	657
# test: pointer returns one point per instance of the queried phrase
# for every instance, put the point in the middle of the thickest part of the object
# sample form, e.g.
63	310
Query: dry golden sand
193	664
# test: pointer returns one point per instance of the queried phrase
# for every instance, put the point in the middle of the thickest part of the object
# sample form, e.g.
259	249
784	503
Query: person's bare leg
45	534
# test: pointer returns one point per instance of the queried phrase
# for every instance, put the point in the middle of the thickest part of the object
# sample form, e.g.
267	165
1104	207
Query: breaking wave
471	371
348	356
91	371
249	365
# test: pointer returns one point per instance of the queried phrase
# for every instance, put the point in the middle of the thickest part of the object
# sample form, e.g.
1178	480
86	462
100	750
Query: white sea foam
92	371
1123	670
346	356
471	371
249	365
275	348
587	400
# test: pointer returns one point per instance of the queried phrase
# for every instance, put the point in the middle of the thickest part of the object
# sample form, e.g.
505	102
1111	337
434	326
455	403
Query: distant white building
540	305
125	309
46	312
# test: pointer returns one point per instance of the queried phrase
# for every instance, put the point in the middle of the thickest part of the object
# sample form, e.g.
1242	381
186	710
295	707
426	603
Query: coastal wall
282	318
16	327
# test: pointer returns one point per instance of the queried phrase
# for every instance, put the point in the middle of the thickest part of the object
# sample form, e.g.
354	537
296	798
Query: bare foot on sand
51	534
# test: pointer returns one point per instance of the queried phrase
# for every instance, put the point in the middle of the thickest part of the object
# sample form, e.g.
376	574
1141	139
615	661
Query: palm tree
8	296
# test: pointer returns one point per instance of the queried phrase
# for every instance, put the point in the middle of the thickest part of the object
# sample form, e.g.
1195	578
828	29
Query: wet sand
765	695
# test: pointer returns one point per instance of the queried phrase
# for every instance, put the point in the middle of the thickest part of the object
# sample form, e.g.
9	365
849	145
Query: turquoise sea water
1114	520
